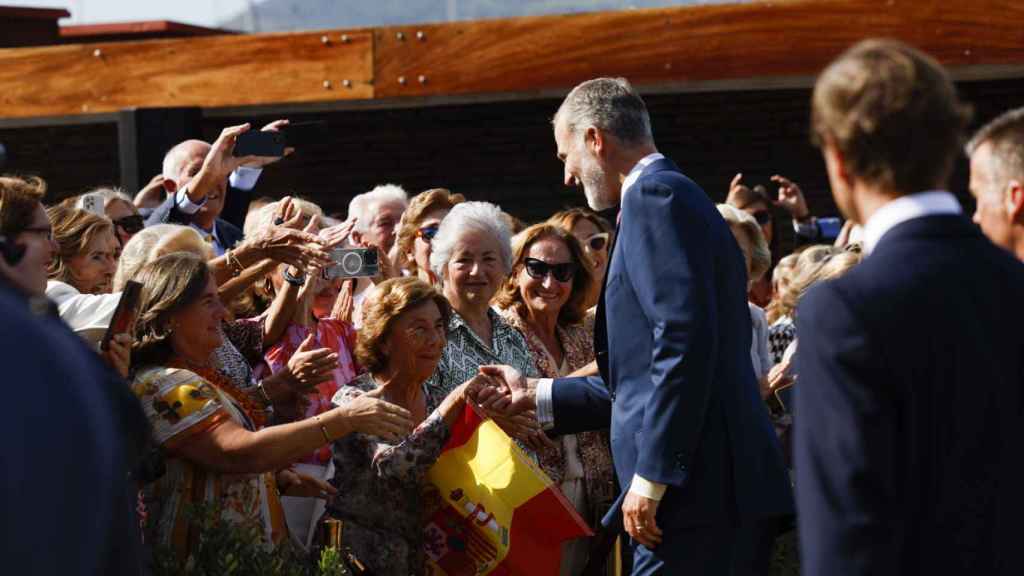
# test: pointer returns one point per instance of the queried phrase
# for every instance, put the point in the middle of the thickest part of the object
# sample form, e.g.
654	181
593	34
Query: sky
200	12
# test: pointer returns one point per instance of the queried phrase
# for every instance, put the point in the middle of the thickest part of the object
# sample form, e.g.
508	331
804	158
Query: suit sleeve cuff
646	488
545	411
807	229
184	204
244	178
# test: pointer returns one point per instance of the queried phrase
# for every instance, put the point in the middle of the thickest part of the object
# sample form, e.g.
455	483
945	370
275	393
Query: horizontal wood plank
209	72
688	44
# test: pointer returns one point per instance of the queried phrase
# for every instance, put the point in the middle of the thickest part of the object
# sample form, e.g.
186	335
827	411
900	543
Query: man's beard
600	195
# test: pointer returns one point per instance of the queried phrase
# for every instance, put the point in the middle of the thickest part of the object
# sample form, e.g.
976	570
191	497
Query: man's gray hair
1005	135
611	105
383	194
175	158
470	217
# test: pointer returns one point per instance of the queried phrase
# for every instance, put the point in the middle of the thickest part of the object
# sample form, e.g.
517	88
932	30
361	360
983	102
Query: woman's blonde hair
510	295
820	265
389	300
421	205
169	284
155	241
73	230
751	240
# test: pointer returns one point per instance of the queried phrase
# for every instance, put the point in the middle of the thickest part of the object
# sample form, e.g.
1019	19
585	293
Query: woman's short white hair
470	217
155	241
360	206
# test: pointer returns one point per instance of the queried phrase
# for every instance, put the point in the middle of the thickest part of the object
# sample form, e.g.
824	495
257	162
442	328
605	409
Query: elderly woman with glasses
381	484
594	235
472	257
419	225
545	299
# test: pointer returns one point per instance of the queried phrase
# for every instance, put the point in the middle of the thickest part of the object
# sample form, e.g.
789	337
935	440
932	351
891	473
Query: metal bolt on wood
327	84
325	40
345	39
400	36
422	79
97	53
346	83
421	36
401	80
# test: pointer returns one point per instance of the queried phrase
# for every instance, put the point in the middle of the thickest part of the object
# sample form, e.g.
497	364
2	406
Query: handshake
510	399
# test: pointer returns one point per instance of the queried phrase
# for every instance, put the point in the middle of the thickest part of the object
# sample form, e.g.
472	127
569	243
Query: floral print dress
181	405
383	497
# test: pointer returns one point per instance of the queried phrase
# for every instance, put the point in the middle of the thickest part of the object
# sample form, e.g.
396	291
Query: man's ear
1015	200
595	140
170	185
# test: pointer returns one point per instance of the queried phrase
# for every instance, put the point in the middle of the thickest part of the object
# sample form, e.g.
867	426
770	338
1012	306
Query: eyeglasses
427	233
762	216
597	242
538	269
44	231
131	224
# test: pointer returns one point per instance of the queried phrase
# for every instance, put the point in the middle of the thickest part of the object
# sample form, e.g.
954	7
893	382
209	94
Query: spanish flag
502	514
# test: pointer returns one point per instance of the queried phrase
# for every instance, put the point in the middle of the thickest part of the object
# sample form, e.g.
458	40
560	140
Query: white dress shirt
907	208
545	411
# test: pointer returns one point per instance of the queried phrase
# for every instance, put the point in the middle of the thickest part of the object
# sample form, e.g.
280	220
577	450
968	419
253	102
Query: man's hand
791	198
220	161
514	395
151	193
638	517
261	161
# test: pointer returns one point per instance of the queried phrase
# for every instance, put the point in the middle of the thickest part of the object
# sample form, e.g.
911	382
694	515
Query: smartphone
124	316
301	134
259	143
784	395
91	203
353	263
13	253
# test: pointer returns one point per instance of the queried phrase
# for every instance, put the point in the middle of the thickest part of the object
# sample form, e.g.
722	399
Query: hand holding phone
123	320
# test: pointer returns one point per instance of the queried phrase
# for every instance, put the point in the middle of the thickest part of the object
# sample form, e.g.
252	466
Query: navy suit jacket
909	421
672	339
169	213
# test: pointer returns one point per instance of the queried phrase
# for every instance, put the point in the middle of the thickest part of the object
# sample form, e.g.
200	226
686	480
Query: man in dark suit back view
908	418
702	477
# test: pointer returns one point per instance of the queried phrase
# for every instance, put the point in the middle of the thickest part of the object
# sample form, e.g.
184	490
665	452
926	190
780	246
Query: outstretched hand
514	394
791	198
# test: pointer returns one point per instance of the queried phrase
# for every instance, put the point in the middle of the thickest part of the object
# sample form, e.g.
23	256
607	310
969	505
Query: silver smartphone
353	263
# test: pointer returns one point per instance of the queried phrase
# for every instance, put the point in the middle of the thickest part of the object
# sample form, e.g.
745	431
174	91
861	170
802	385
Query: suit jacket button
612	395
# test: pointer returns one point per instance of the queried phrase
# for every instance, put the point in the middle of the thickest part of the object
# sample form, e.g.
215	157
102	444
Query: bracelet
323	428
263	393
293	280
236	265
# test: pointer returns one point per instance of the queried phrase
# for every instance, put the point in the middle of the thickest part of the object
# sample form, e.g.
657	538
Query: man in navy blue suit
700	469
908	419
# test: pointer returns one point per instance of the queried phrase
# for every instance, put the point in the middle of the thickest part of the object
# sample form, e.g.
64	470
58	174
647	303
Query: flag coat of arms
502	515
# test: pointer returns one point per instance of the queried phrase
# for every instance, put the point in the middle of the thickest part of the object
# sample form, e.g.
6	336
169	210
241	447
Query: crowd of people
686	381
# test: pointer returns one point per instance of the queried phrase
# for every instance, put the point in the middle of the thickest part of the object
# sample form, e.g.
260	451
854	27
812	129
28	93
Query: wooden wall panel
678	45
212	71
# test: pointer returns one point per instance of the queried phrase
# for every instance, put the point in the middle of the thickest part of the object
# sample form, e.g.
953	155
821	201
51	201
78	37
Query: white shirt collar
907	208
634	174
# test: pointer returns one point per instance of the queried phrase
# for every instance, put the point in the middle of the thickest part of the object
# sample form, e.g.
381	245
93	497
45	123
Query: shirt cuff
244	178
646	488
184	204
807	229
545	411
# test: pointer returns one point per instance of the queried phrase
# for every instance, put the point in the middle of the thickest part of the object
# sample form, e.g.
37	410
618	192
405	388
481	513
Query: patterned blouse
340	337
182	405
780	334
593	448
465	353
383	497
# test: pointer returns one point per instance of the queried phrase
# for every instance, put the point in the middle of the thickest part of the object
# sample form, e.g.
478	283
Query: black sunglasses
762	216
131	224
427	232
538	269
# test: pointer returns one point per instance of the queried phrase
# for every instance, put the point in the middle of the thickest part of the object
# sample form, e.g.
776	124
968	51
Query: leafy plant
237	549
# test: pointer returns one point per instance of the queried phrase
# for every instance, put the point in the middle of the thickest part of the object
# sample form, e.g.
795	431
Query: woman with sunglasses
116	205
594	234
418	227
545	299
